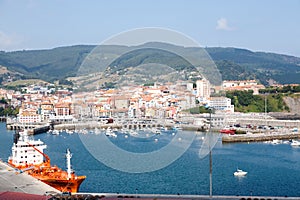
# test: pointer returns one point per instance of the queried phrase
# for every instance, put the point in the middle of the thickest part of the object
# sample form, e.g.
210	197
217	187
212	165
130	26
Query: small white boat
295	143
110	133
240	172
69	131
276	141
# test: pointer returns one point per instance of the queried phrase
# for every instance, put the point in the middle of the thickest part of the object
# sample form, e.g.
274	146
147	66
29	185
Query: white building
28	116
243	85
228	84
203	88
35	118
221	104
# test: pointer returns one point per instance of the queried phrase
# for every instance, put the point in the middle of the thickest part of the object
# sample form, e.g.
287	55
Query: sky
257	25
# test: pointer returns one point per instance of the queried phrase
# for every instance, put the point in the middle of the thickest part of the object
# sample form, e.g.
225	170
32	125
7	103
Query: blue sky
258	25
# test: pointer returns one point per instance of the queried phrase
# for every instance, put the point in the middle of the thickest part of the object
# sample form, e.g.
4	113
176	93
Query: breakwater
259	137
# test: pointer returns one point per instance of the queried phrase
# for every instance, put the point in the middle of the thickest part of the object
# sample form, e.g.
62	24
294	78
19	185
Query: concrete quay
13	181
258	137
115	196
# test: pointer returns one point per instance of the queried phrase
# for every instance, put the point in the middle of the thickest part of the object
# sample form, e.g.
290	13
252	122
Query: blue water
273	170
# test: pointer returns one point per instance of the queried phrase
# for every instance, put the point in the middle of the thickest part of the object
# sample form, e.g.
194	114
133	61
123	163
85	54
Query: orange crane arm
45	155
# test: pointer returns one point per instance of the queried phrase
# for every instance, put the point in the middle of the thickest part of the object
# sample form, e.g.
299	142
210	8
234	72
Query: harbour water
273	170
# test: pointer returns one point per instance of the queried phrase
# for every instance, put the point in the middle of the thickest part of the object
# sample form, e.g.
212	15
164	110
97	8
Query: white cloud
222	24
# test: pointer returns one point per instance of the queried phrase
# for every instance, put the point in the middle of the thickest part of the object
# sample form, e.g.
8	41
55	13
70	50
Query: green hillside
48	65
233	64
263	66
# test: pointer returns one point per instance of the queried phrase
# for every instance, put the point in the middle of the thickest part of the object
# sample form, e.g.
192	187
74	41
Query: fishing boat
28	156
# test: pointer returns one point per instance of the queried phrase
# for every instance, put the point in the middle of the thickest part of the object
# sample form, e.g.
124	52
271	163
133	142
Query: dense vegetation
198	110
233	63
245	101
284	89
7	110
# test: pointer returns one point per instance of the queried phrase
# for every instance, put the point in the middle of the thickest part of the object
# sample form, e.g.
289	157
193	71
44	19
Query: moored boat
276	141
28	156
295	143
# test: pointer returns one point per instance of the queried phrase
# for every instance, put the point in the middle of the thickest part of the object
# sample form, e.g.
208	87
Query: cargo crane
47	159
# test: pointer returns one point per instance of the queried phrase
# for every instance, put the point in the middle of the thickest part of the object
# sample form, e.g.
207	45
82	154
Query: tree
3	101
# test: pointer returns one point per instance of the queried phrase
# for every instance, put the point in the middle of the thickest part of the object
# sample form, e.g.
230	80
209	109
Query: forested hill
49	64
263	66
233	63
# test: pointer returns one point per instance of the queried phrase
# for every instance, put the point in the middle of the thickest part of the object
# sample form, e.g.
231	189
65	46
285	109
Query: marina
273	169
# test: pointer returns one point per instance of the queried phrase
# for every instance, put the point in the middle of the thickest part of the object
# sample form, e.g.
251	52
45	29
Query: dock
32	128
14	181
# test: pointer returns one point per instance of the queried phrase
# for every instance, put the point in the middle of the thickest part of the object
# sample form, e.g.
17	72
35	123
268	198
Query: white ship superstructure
25	151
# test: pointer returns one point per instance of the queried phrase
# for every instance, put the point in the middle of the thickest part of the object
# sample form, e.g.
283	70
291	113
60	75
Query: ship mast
69	169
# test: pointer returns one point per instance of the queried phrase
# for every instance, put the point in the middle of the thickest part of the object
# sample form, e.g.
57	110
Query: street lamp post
210	156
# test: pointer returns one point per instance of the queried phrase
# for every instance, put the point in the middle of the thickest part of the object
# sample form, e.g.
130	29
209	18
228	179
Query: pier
2	119
93	125
32	128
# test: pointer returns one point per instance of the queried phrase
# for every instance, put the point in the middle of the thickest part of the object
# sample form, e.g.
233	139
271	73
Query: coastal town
160	104
41	103
149	100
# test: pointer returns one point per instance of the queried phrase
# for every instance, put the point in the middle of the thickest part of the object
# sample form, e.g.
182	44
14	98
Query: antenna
69	169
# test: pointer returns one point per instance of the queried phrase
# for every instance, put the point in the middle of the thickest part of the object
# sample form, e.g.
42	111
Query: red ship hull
64	185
